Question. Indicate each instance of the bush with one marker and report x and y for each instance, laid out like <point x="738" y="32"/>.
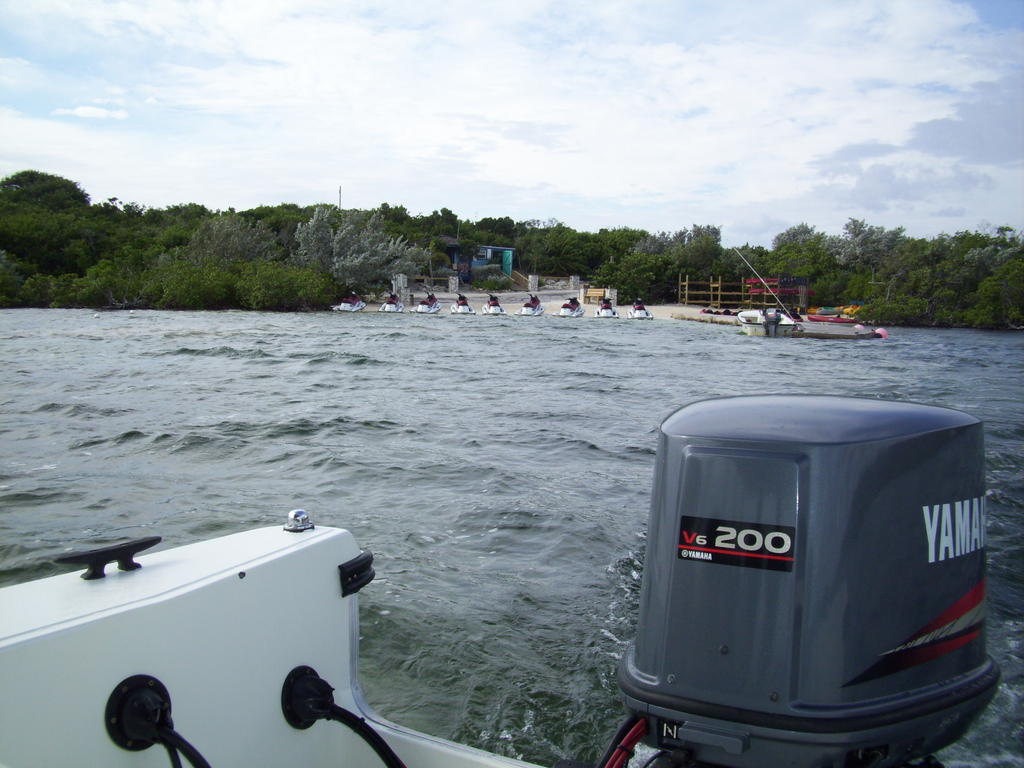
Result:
<point x="492" y="284"/>
<point x="902" y="310"/>
<point x="487" y="272"/>
<point x="10" y="281"/>
<point x="275" y="286"/>
<point x="1000" y="298"/>
<point x="37" y="291"/>
<point x="180" y="285"/>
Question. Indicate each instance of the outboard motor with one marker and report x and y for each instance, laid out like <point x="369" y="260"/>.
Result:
<point x="814" y="584"/>
<point x="772" y="318"/>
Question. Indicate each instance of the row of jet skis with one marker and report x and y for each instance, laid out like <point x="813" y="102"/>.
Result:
<point x="532" y="307"/>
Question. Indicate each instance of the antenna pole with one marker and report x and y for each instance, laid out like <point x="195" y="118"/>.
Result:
<point x="767" y="287"/>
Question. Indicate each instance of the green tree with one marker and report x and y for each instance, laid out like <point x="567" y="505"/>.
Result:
<point x="11" y="280"/>
<point x="366" y="257"/>
<point x="796" y="235"/>
<point x="650" y="276"/>
<point x="231" y="238"/>
<point x="501" y="229"/>
<point x="112" y="284"/>
<point x="43" y="190"/>
<point x="1000" y="298"/>
<point x="862" y="245"/>
<point x="315" y="241"/>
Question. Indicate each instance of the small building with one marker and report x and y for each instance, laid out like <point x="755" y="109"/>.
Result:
<point x="495" y="254"/>
<point x="486" y="255"/>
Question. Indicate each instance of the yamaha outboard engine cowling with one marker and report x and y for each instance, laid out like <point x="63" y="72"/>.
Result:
<point x="813" y="590"/>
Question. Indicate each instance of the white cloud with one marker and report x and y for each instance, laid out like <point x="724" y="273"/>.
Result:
<point x="652" y="114"/>
<point x="93" y="113"/>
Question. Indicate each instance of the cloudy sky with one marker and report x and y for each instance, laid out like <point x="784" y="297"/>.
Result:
<point x="750" y="114"/>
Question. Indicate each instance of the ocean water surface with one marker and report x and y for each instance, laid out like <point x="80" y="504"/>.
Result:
<point x="499" y="468"/>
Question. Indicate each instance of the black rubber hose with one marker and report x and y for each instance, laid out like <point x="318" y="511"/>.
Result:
<point x="171" y="738"/>
<point x="370" y="736"/>
<point x="172" y="753"/>
<point x="620" y="734"/>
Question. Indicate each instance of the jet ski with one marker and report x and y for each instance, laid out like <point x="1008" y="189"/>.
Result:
<point x="532" y="307"/>
<point x="493" y="306"/>
<point x="351" y="303"/>
<point x="429" y="305"/>
<point x="572" y="308"/>
<point x="393" y="304"/>
<point x="639" y="312"/>
<point x="606" y="309"/>
<point x="462" y="306"/>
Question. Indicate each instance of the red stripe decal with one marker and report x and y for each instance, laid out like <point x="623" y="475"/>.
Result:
<point x="965" y="604"/>
<point x="737" y="553"/>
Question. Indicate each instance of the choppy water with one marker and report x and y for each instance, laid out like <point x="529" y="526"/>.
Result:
<point x="498" y="467"/>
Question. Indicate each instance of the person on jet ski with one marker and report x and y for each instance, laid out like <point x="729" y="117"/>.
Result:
<point x="430" y="301"/>
<point x="534" y="302"/>
<point x="606" y="303"/>
<point x="392" y="299"/>
<point x="639" y="304"/>
<point x="462" y="301"/>
<point x="492" y="301"/>
<point x="573" y="303"/>
<point x="352" y="298"/>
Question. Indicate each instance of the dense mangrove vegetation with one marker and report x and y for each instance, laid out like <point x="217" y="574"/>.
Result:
<point x="60" y="249"/>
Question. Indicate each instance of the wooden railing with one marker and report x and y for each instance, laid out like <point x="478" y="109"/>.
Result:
<point x="719" y="294"/>
<point x="712" y="293"/>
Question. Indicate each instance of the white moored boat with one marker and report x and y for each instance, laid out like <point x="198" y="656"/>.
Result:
<point x="765" y="322"/>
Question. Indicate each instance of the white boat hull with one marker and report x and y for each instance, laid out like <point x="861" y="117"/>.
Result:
<point x="639" y="314"/>
<point x="428" y="309"/>
<point x="489" y="309"/>
<point x="220" y="624"/>
<point x="462" y="309"/>
<point x="570" y="312"/>
<point x="532" y="311"/>
<point x="399" y="307"/>
<point x="755" y="322"/>
<point x="605" y="313"/>
<point x="343" y="307"/>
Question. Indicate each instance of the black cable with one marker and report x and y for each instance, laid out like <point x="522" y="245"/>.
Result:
<point x="370" y="736"/>
<point x="171" y="738"/>
<point x="173" y="754"/>
<point x="652" y="758"/>
<point x="620" y="734"/>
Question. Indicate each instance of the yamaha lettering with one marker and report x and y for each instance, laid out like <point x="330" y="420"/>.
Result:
<point x="955" y="529"/>
<point x="729" y="542"/>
